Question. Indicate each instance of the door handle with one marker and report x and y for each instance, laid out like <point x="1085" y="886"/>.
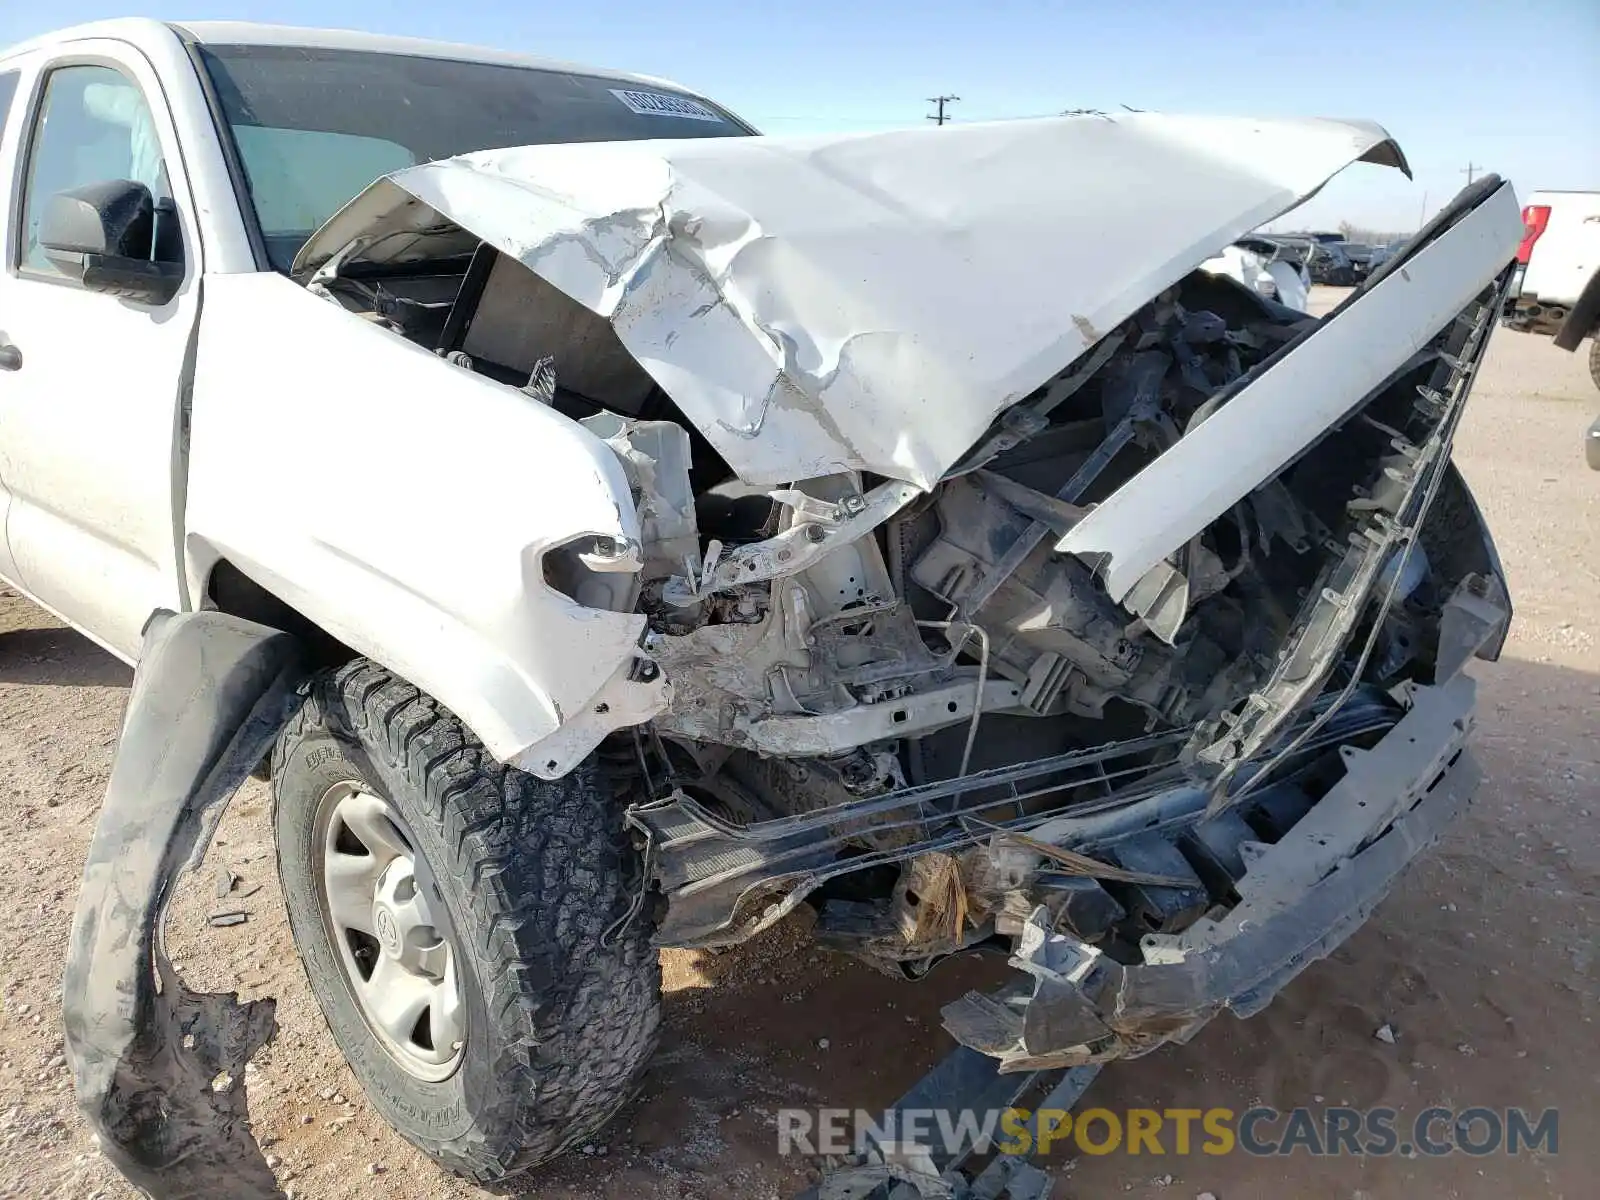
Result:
<point x="10" y="357"/>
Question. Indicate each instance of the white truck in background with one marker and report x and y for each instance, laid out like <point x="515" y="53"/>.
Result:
<point x="1556" y="291"/>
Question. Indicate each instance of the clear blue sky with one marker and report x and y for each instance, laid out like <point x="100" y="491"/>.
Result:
<point x="1512" y="85"/>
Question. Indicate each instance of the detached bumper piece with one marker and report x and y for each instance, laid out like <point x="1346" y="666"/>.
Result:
<point x="1298" y="900"/>
<point x="149" y="1062"/>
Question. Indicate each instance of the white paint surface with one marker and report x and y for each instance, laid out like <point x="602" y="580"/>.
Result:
<point x="404" y="505"/>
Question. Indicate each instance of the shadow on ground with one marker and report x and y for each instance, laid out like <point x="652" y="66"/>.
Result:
<point x="56" y="656"/>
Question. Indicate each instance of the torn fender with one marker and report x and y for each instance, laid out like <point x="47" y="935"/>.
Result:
<point x="209" y="696"/>
<point x="864" y="302"/>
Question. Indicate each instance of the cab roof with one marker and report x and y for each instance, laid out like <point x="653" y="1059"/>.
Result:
<point x="143" y="30"/>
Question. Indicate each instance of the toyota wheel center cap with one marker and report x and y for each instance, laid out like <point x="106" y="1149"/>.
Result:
<point x="388" y="930"/>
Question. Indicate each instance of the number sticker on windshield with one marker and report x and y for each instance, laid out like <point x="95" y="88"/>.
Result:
<point x="659" y="104"/>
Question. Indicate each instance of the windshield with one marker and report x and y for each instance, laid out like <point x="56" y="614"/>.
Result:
<point x="314" y="127"/>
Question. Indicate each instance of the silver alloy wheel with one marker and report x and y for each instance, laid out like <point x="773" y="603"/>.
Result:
<point x="380" y="910"/>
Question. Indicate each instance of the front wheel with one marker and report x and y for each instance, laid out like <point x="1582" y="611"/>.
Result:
<point x="453" y="917"/>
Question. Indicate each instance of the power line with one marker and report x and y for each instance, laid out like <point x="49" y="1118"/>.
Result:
<point x="941" y="101"/>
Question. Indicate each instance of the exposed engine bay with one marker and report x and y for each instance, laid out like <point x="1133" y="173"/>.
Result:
<point x="821" y="619"/>
<point x="846" y="636"/>
<point x="914" y="710"/>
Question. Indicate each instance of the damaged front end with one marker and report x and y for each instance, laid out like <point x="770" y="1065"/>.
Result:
<point x="1115" y="627"/>
<point x="1167" y="806"/>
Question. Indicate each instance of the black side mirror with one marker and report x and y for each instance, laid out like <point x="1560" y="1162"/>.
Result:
<point x="102" y="235"/>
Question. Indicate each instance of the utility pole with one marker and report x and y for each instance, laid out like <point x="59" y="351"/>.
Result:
<point x="1470" y="170"/>
<point x="941" y="101"/>
<point x="1422" y="217"/>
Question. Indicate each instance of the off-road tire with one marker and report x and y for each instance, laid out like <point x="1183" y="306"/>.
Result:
<point x="531" y="875"/>
<point x="1594" y="358"/>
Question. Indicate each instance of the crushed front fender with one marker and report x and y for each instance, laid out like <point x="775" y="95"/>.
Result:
<point x="159" y="1069"/>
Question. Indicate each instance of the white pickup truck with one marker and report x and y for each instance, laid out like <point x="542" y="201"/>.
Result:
<point x="614" y="530"/>
<point x="1556" y="291"/>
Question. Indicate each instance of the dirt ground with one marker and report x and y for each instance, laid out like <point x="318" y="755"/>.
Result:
<point x="1482" y="961"/>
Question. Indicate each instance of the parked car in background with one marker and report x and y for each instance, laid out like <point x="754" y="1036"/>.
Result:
<point x="1556" y="290"/>
<point x="1361" y="256"/>
<point x="1382" y="254"/>
<point x="1330" y="265"/>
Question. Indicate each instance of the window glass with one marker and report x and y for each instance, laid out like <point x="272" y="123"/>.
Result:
<point x="299" y="177"/>
<point x="315" y="126"/>
<point x="93" y="125"/>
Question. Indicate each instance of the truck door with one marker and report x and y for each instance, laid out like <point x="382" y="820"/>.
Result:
<point x="9" y="78"/>
<point x="91" y="419"/>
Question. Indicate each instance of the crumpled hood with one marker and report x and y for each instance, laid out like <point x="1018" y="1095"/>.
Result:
<point x="872" y="302"/>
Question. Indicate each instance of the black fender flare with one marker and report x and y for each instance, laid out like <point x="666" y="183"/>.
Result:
<point x="209" y="696"/>
<point x="1583" y="318"/>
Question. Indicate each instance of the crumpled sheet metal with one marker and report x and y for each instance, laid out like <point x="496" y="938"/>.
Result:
<point x="865" y="302"/>
<point x="209" y="696"/>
